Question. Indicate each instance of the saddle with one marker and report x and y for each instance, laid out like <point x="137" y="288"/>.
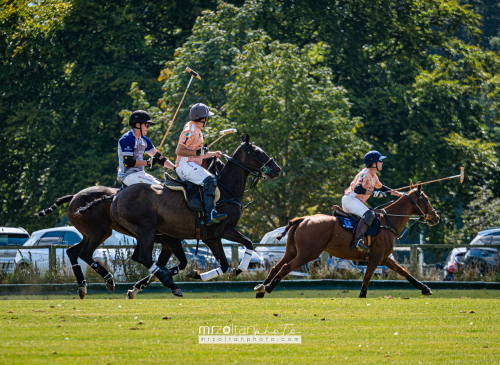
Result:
<point x="192" y="192"/>
<point x="350" y="221"/>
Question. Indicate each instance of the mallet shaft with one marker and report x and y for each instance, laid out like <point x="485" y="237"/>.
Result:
<point x="223" y="133"/>
<point x="461" y="176"/>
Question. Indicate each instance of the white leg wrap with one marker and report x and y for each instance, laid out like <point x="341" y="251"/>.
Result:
<point x="246" y="260"/>
<point x="211" y="274"/>
<point x="154" y="268"/>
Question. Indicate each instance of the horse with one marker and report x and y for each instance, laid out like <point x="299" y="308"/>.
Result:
<point x="96" y="226"/>
<point x="165" y="211"/>
<point x="309" y="236"/>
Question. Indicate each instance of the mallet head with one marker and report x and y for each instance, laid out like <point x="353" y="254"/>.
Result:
<point x="195" y="74"/>
<point x="228" y="131"/>
<point x="462" y="174"/>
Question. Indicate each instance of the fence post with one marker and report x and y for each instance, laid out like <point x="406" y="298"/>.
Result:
<point x="52" y="258"/>
<point x="234" y="256"/>
<point x="413" y="259"/>
<point x="498" y="260"/>
<point x="324" y="260"/>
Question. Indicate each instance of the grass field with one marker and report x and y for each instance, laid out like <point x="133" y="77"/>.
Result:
<point x="449" y="327"/>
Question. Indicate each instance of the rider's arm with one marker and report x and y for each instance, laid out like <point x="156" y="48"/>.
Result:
<point x="183" y="151"/>
<point x="165" y="162"/>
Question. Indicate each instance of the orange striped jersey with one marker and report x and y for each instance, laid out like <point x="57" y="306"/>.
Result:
<point x="192" y="138"/>
<point x="368" y="180"/>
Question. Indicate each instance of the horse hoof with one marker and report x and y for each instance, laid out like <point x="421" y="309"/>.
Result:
<point x="259" y="295"/>
<point x="234" y="273"/>
<point x="132" y="293"/>
<point x="111" y="287"/>
<point x="260" y="288"/>
<point x="177" y="293"/>
<point x="82" y="290"/>
<point x="194" y="274"/>
<point x="428" y="291"/>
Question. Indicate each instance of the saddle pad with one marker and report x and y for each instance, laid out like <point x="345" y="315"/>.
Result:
<point x="181" y="188"/>
<point x="349" y="224"/>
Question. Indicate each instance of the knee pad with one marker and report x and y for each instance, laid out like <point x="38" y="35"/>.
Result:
<point x="369" y="217"/>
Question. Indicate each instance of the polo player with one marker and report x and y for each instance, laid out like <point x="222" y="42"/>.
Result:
<point x="190" y="155"/>
<point x="131" y="148"/>
<point x="364" y="185"/>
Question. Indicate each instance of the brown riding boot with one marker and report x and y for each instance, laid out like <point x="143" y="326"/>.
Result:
<point x="357" y="243"/>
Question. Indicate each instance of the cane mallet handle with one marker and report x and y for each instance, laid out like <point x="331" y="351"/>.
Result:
<point x="461" y="176"/>
<point x="222" y="134"/>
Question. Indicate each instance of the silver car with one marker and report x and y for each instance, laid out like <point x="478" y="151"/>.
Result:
<point x="488" y="237"/>
<point x="10" y="236"/>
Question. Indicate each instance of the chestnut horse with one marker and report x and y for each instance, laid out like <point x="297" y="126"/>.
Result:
<point x="310" y="236"/>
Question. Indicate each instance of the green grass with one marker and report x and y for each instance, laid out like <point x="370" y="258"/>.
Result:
<point x="334" y="325"/>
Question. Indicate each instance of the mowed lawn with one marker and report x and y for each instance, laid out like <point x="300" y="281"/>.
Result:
<point x="336" y="327"/>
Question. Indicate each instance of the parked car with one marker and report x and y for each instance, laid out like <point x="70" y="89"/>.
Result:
<point x="52" y="236"/>
<point x="453" y="262"/>
<point x="488" y="237"/>
<point x="10" y="236"/>
<point x="485" y="259"/>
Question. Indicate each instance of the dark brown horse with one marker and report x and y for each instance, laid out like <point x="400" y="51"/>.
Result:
<point x="156" y="209"/>
<point x="96" y="226"/>
<point x="309" y="236"/>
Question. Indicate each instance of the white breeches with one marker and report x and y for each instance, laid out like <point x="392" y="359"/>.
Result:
<point x="354" y="206"/>
<point x="191" y="171"/>
<point x="140" y="177"/>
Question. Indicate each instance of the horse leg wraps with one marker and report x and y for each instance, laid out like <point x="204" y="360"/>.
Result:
<point x="102" y="271"/>
<point x="274" y="283"/>
<point x="362" y="293"/>
<point x="211" y="274"/>
<point x="418" y="285"/>
<point x="163" y="274"/>
<point x="80" y="279"/>
<point x="246" y="260"/>
<point x="141" y="284"/>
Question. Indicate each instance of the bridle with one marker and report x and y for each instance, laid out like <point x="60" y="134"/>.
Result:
<point x="423" y="218"/>
<point x="259" y="173"/>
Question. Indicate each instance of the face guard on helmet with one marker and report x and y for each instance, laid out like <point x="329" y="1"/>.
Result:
<point x="198" y="112"/>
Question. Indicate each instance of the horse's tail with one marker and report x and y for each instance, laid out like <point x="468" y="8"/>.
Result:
<point x="103" y="199"/>
<point x="60" y="201"/>
<point x="291" y="225"/>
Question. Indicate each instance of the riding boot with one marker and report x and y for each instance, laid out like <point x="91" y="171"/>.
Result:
<point x="357" y="243"/>
<point x="209" y="187"/>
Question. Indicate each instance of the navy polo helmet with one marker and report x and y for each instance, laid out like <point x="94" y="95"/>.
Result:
<point x="372" y="157"/>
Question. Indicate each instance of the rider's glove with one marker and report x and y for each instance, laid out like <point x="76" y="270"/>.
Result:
<point x="159" y="159"/>
<point x="379" y="194"/>
<point x="202" y="151"/>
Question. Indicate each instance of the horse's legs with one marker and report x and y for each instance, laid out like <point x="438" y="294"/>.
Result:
<point x="373" y="262"/>
<point x="290" y="254"/>
<point x="393" y="265"/>
<point x="86" y="255"/>
<point x="72" y="254"/>
<point x="145" y="245"/>
<point x="219" y="254"/>
<point x="296" y="263"/>
<point x="230" y="233"/>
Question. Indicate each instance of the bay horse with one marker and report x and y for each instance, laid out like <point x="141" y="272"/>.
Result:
<point x="158" y="209"/>
<point x="309" y="236"/>
<point x="96" y="226"/>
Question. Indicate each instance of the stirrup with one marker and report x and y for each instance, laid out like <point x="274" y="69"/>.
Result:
<point x="214" y="217"/>
<point x="359" y="246"/>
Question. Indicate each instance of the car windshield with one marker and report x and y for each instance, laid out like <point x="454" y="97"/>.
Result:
<point x="271" y="237"/>
<point x="33" y="239"/>
<point x="13" y="239"/>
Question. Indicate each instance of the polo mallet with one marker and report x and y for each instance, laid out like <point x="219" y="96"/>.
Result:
<point x="222" y="134"/>
<point x="193" y="74"/>
<point x="461" y="176"/>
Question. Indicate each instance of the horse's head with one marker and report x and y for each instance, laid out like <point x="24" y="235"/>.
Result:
<point x="423" y="207"/>
<point x="254" y="157"/>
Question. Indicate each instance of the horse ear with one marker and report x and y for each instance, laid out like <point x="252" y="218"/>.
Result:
<point x="419" y="187"/>
<point x="242" y="138"/>
<point x="247" y="139"/>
